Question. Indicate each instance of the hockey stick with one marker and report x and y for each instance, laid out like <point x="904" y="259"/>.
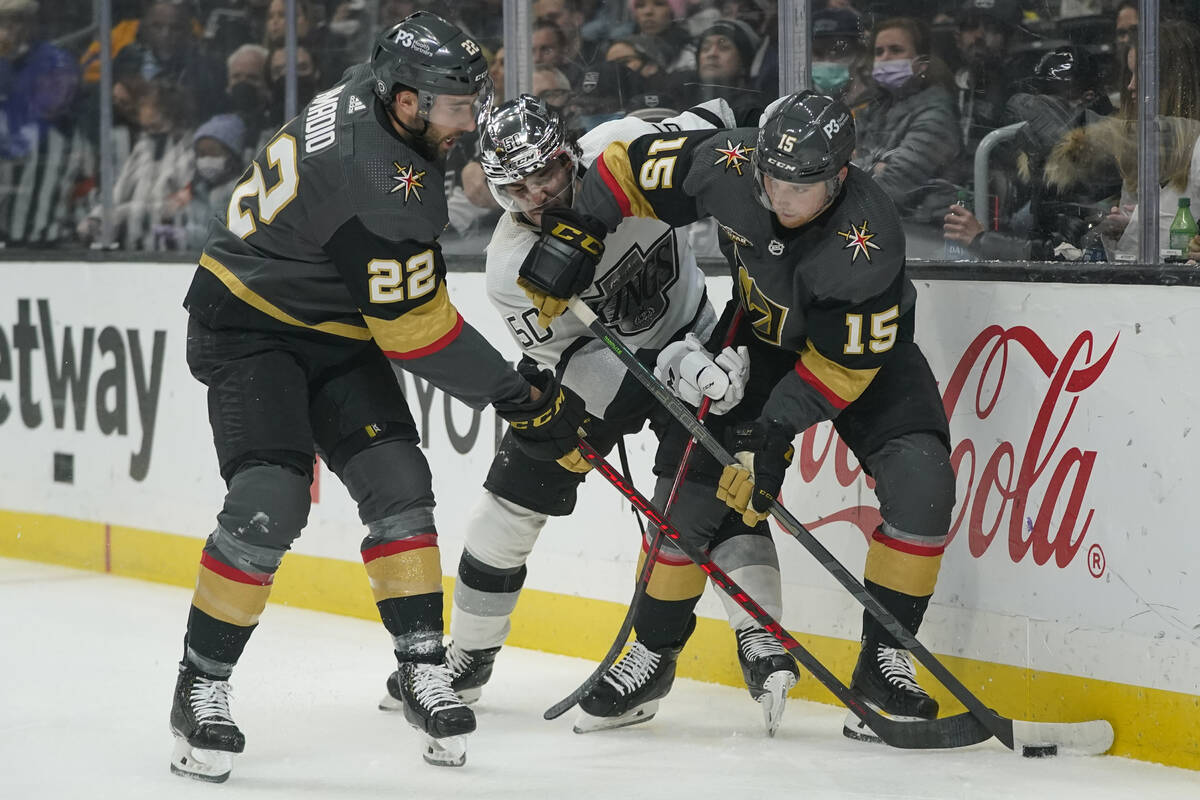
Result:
<point x="1033" y="738"/>
<point x="652" y="549"/>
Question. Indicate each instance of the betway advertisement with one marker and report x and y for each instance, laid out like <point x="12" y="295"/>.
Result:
<point x="1071" y="411"/>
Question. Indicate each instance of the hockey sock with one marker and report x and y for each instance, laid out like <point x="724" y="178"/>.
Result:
<point x="225" y="609"/>
<point x="675" y="587"/>
<point x="406" y="579"/>
<point x="753" y="564"/>
<point x="901" y="573"/>
<point x="484" y="599"/>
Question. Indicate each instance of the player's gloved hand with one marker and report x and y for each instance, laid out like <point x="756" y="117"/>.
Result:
<point x="562" y="262"/>
<point x="764" y="451"/>
<point x="691" y="373"/>
<point x="547" y="428"/>
<point x="575" y="462"/>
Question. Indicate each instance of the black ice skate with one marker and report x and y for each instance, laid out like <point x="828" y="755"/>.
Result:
<point x="770" y="672"/>
<point x="629" y="691"/>
<point x="431" y="706"/>
<point x="205" y="734"/>
<point x="469" y="671"/>
<point x="886" y="680"/>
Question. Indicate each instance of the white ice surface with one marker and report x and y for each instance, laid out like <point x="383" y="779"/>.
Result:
<point x="87" y="665"/>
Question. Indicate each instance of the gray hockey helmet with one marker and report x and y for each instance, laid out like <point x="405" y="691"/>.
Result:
<point x="426" y="53"/>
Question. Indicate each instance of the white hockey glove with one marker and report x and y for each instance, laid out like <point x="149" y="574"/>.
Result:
<point x="691" y="373"/>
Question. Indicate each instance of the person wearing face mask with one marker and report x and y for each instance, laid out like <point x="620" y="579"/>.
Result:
<point x="908" y="135"/>
<point x="841" y="67"/>
<point x="307" y="81"/>
<point x="247" y="92"/>
<point x="219" y="146"/>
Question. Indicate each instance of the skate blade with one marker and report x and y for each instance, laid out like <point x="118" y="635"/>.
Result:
<point x="774" y="698"/>
<point x="212" y="766"/>
<point x="854" y="728"/>
<point x="587" y="723"/>
<point x="448" y="752"/>
<point x="389" y="703"/>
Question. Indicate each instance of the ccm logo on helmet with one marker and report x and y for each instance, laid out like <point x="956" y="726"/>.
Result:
<point x="578" y="238"/>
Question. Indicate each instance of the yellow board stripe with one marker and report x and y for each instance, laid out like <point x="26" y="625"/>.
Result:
<point x="672" y="582"/>
<point x="417" y="328"/>
<point x="247" y="295"/>
<point x="406" y="574"/>
<point x="910" y="573"/>
<point x="1151" y="724"/>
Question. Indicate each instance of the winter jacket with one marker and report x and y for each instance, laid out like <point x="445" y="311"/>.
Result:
<point x="913" y="133"/>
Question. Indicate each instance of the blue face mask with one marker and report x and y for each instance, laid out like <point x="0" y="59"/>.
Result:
<point x="892" y="74"/>
<point x="829" y="76"/>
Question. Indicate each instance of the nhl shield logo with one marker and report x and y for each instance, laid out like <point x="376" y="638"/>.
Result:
<point x="775" y="247"/>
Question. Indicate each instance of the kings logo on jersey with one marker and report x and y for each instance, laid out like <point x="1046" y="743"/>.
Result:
<point x="632" y="295"/>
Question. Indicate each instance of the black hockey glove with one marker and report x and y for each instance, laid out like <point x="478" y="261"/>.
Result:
<point x="562" y="262"/>
<point x="764" y="452"/>
<point x="547" y="428"/>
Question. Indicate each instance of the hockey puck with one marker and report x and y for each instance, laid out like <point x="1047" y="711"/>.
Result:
<point x="1039" y="751"/>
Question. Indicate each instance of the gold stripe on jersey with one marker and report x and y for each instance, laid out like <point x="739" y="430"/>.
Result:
<point x="843" y="382"/>
<point x="615" y="162"/>
<point x="247" y="295"/>
<point x="229" y="600"/>
<point x="670" y="582"/>
<point x="417" y="328"/>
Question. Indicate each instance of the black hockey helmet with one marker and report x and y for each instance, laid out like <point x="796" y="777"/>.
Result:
<point x="520" y="138"/>
<point x="804" y="138"/>
<point x="426" y="53"/>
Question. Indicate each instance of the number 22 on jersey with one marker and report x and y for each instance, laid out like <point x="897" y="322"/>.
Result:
<point x="281" y="156"/>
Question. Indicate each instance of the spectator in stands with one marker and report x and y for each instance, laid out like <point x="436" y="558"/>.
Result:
<point x="166" y="48"/>
<point x="308" y="80"/>
<point x="47" y="161"/>
<point x="647" y="56"/>
<point x="247" y="91"/>
<point x="160" y="164"/>
<point x="986" y="31"/>
<point x="1124" y="37"/>
<point x="658" y="19"/>
<point x="841" y="65"/>
<point x="276" y="23"/>
<point x="229" y="24"/>
<point x="568" y="16"/>
<point x="219" y="148"/>
<point x="907" y="136"/>
<point x="1116" y="137"/>
<point x="550" y="50"/>
<point x="552" y="86"/>
<point x="761" y="16"/>
<point x="1053" y="209"/>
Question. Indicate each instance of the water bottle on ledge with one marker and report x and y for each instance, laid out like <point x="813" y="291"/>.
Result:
<point x="1183" y="228"/>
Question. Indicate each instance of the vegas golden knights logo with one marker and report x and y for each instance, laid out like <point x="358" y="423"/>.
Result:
<point x="764" y="314"/>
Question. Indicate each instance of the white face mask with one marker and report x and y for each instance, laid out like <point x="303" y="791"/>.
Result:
<point x="211" y="167"/>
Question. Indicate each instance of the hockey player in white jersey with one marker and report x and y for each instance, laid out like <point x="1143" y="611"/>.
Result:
<point x="649" y="288"/>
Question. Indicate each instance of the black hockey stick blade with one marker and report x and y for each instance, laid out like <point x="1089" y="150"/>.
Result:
<point x="999" y="726"/>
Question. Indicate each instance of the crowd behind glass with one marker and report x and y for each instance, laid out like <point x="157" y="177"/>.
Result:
<point x="198" y="86"/>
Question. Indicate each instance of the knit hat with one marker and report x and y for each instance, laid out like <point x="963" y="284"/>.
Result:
<point x="742" y="35"/>
<point x="228" y="129"/>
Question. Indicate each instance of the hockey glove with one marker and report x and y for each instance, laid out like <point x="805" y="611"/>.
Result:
<point x="562" y="262"/>
<point x="691" y="373"/>
<point x="548" y="428"/>
<point x="764" y="451"/>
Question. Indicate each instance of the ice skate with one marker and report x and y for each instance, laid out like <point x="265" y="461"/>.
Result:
<point x="770" y="672"/>
<point x="206" y="737"/>
<point x="629" y="691"/>
<point x="469" y="671"/>
<point x="431" y="706"/>
<point x="886" y="680"/>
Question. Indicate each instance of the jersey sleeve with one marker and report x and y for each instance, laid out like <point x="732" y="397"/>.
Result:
<point x="848" y="341"/>
<point x="400" y="288"/>
<point x="644" y="177"/>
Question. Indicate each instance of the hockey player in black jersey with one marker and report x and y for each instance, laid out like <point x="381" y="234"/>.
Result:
<point x="817" y="257"/>
<point x="324" y="273"/>
<point x="648" y="286"/>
